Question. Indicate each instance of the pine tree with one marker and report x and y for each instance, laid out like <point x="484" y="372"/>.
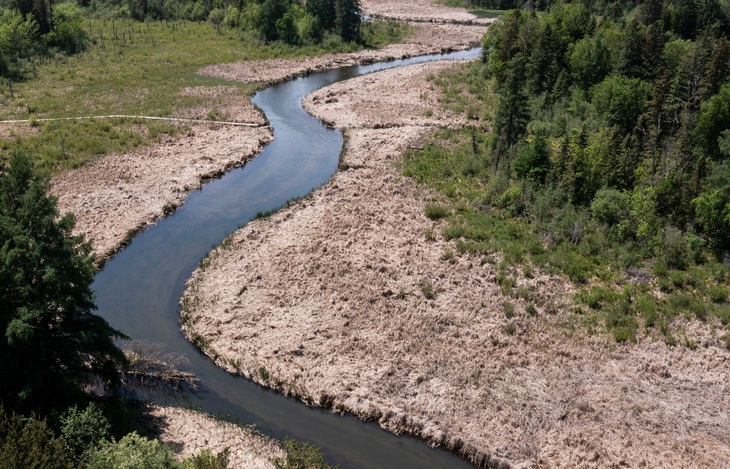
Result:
<point x="348" y="19"/>
<point x="325" y="11"/>
<point x="51" y="343"/>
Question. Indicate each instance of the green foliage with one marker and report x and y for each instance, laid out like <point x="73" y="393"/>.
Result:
<point x="30" y="443"/>
<point x="132" y="452"/>
<point x="427" y="290"/>
<point x="347" y="23"/>
<point x="18" y="45"/>
<point x="620" y="100"/>
<point x="52" y="343"/>
<point x="67" y="34"/>
<point x="533" y="159"/>
<point x="83" y="430"/>
<point x="607" y="154"/>
<point x="300" y="455"/>
<point x="207" y="460"/>
<point x="436" y="211"/>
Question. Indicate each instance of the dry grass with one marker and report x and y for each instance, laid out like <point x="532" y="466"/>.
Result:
<point x="188" y="432"/>
<point x="121" y="194"/>
<point x="328" y="298"/>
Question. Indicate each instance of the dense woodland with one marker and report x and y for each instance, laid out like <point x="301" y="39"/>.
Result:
<point x="598" y="149"/>
<point x="622" y="111"/>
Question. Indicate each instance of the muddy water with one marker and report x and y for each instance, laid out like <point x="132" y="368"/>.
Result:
<point x="139" y="289"/>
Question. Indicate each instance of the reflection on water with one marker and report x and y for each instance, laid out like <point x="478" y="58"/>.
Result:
<point x="139" y="289"/>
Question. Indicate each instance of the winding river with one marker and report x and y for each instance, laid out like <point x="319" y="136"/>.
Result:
<point x="139" y="289"/>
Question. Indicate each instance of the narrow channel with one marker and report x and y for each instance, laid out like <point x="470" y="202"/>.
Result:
<point x="139" y="289"/>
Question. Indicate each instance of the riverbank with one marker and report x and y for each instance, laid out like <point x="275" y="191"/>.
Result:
<point x="381" y="318"/>
<point x="117" y="196"/>
<point x="187" y="432"/>
<point x="426" y="39"/>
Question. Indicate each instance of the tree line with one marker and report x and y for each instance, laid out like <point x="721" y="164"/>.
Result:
<point x="622" y="112"/>
<point x="33" y="29"/>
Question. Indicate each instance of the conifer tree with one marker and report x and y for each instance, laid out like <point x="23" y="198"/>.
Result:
<point x="51" y="344"/>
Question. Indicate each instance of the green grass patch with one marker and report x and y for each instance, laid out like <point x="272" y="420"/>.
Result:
<point x="135" y="68"/>
<point x="474" y="10"/>
<point x="70" y="144"/>
<point x="436" y="211"/>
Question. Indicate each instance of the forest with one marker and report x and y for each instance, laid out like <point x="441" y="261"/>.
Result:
<point x="598" y="149"/>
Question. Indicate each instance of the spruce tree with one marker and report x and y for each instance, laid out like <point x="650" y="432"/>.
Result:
<point x="51" y="343"/>
<point x="348" y="19"/>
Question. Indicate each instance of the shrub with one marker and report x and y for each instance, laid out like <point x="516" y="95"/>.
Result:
<point x="29" y="442"/>
<point x="301" y="455"/>
<point x="67" y="35"/>
<point x="207" y="460"/>
<point x="512" y="200"/>
<point x="436" y="211"/>
<point x="718" y="293"/>
<point x="132" y="452"/>
<point x="611" y="207"/>
<point x="83" y="430"/>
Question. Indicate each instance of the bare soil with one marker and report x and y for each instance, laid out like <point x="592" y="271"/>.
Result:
<point x="188" y="431"/>
<point x="350" y="299"/>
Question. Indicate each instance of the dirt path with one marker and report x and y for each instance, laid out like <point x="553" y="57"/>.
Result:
<point x="350" y="299"/>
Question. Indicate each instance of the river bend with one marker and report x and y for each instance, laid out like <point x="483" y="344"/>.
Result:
<point x="139" y="289"/>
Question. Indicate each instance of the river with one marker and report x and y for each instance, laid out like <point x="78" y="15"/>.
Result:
<point x="138" y="291"/>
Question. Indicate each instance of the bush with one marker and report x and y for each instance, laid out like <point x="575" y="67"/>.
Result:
<point x="132" y="452"/>
<point x="301" y="455"/>
<point x="29" y="442"/>
<point x="611" y="207"/>
<point x="674" y="249"/>
<point x="512" y="200"/>
<point x="207" y="460"/>
<point x="83" y="430"/>
<point x="67" y="34"/>
<point x="436" y="211"/>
